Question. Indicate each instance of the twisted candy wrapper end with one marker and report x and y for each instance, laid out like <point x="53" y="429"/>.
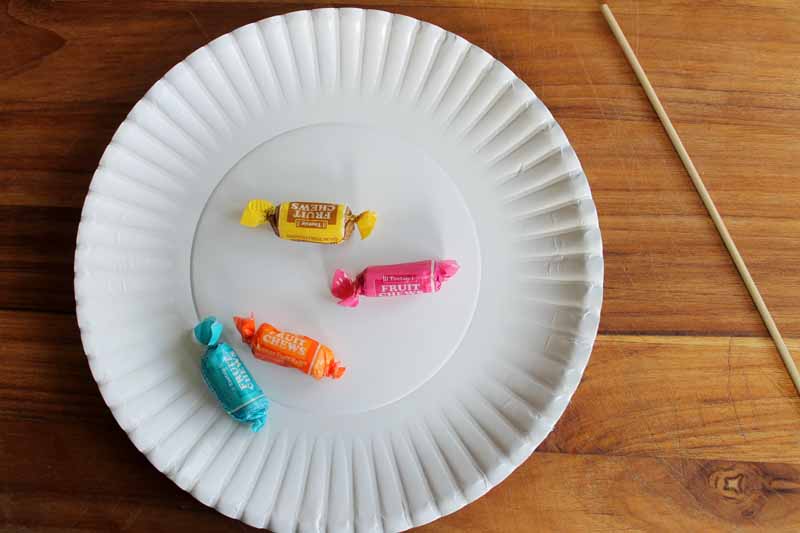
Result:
<point x="335" y="369"/>
<point x="208" y="331"/>
<point x="365" y="222"/>
<point x="256" y="213"/>
<point x="246" y="326"/>
<point x="445" y="270"/>
<point x="345" y="289"/>
<point x="228" y="378"/>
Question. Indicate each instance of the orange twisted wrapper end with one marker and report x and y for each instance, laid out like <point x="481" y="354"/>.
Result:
<point x="270" y="344"/>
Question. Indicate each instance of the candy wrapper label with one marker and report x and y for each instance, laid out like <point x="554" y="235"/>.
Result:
<point x="301" y="221"/>
<point x="270" y="344"/>
<point x="318" y="222"/>
<point x="392" y="280"/>
<point x="228" y="377"/>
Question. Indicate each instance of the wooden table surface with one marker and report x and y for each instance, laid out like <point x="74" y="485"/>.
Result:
<point x="685" y="419"/>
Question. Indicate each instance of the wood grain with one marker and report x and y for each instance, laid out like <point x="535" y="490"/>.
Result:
<point x="683" y="397"/>
<point x="655" y="419"/>
<point x="557" y="492"/>
<point x="685" y="419"/>
<point x="658" y="239"/>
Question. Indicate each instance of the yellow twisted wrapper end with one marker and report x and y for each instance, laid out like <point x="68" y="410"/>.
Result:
<point x="366" y="222"/>
<point x="256" y="213"/>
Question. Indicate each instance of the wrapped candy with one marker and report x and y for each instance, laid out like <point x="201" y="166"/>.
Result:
<point x="392" y="280"/>
<point x="289" y="349"/>
<point x="228" y="378"/>
<point x="308" y="221"/>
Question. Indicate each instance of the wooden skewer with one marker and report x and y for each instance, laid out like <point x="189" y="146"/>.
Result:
<point x="704" y="196"/>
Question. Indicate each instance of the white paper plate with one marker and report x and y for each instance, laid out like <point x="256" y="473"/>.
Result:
<point x="445" y="394"/>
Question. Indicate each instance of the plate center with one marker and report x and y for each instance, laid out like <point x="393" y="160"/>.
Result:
<point x="390" y="346"/>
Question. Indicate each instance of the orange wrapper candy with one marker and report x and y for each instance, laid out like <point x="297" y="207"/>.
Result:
<point x="270" y="344"/>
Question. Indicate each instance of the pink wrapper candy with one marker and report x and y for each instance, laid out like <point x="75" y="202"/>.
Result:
<point x="393" y="280"/>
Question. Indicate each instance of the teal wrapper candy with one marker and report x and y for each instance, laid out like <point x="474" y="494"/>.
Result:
<point x="228" y="378"/>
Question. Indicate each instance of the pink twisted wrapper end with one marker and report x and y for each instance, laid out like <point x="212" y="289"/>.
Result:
<point x="445" y="270"/>
<point x="345" y="289"/>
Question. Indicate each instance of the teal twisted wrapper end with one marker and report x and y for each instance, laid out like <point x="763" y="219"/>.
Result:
<point x="228" y="377"/>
